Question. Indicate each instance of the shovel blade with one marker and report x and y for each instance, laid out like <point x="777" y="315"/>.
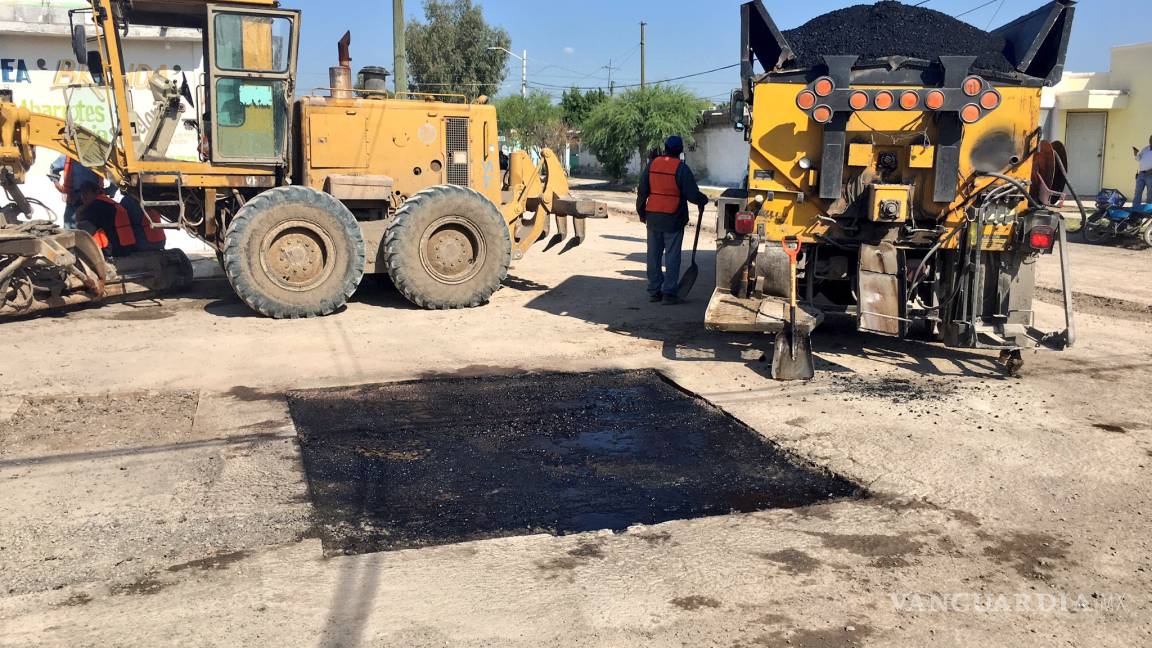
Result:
<point x="792" y="357"/>
<point x="687" y="281"/>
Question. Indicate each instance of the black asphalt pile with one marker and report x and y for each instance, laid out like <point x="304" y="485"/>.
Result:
<point x="891" y="28"/>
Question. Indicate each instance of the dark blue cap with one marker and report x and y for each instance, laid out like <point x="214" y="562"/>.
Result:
<point x="675" y="144"/>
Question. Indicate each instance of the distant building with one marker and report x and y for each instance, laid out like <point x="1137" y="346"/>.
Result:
<point x="1100" y="116"/>
<point x="38" y="66"/>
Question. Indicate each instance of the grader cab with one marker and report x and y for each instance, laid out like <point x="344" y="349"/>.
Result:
<point x="300" y="196"/>
<point x="900" y="184"/>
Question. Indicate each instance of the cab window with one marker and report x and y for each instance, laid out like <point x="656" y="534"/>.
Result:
<point x="251" y="115"/>
<point x="252" y="43"/>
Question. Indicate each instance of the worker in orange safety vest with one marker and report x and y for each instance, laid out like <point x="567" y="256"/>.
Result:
<point x="666" y="188"/>
<point x="106" y="220"/>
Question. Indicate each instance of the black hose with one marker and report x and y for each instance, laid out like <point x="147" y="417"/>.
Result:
<point x="1072" y="190"/>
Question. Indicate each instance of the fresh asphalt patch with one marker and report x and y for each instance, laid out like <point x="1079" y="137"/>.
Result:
<point x="432" y="462"/>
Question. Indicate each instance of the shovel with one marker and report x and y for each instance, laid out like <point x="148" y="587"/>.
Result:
<point x="693" y="271"/>
<point x="792" y="359"/>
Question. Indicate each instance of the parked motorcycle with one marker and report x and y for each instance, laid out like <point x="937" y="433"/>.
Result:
<point x="1113" y="220"/>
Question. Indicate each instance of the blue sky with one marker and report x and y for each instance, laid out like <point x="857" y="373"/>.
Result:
<point x="571" y="42"/>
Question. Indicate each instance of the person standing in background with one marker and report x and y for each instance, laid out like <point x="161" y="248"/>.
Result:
<point x="69" y="176"/>
<point x="1143" y="174"/>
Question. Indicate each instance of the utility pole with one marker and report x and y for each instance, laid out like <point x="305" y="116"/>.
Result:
<point x="400" y="47"/>
<point x="643" y="55"/>
<point x="611" y="84"/>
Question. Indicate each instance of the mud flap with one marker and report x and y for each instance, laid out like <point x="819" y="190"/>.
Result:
<point x="883" y="307"/>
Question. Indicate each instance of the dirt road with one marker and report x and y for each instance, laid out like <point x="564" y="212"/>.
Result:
<point x="154" y="493"/>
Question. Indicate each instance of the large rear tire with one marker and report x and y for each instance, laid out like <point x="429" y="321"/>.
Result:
<point x="294" y="252"/>
<point x="449" y="247"/>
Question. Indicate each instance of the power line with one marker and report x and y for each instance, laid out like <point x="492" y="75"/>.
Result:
<point x="637" y="85"/>
<point x="975" y="9"/>
<point x="993" y="18"/>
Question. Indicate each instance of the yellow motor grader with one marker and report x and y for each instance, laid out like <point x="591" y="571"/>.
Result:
<point x="300" y="197"/>
<point x="912" y="194"/>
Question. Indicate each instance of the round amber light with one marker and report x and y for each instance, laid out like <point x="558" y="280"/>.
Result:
<point x="806" y="100"/>
<point x="884" y="100"/>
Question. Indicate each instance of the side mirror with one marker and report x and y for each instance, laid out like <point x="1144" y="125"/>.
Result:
<point x="738" y="108"/>
<point x="80" y="43"/>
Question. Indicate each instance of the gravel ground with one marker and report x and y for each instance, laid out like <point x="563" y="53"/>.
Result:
<point x="169" y="505"/>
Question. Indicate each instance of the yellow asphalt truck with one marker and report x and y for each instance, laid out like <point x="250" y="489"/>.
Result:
<point x="897" y="154"/>
<point x="301" y="197"/>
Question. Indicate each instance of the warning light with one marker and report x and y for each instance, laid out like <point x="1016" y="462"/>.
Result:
<point x="990" y="100"/>
<point x="973" y="85"/>
<point x="934" y="100"/>
<point x="806" y="100"/>
<point x="822" y="114"/>
<point x="745" y="223"/>
<point x="1042" y="238"/>
<point x="970" y="114"/>
<point x="824" y="86"/>
<point x="858" y="100"/>
<point x="884" y="100"/>
<point x="909" y="100"/>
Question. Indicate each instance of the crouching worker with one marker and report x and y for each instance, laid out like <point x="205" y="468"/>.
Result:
<point x="666" y="188"/>
<point x="119" y="229"/>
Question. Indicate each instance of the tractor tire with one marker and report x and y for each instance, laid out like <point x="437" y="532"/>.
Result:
<point x="294" y="252"/>
<point x="449" y="247"/>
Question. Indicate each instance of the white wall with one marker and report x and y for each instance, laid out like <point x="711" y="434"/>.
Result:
<point x="37" y="64"/>
<point x="720" y="156"/>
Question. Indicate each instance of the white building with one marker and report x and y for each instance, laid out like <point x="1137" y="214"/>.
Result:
<point x="38" y="66"/>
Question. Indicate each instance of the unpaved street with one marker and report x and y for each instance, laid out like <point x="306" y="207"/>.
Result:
<point x="153" y="490"/>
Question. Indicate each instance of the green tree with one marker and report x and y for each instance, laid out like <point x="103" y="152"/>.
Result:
<point x="532" y="121"/>
<point x="638" y="121"/>
<point x="449" y="54"/>
<point x="578" y="105"/>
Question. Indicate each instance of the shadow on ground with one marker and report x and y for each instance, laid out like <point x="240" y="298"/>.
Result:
<point x="620" y="305"/>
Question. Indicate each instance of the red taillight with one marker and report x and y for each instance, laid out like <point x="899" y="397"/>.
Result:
<point x="745" y="223"/>
<point x="1042" y="238"/>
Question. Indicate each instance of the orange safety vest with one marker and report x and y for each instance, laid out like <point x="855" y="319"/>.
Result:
<point x="124" y="231"/>
<point x="663" y="192"/>
<point x="154" y="234"/>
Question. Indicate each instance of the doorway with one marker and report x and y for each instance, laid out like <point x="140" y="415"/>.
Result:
<point x="1085" y="139"/>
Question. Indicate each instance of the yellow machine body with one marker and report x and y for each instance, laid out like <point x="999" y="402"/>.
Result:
<point x="783" y="135"/>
